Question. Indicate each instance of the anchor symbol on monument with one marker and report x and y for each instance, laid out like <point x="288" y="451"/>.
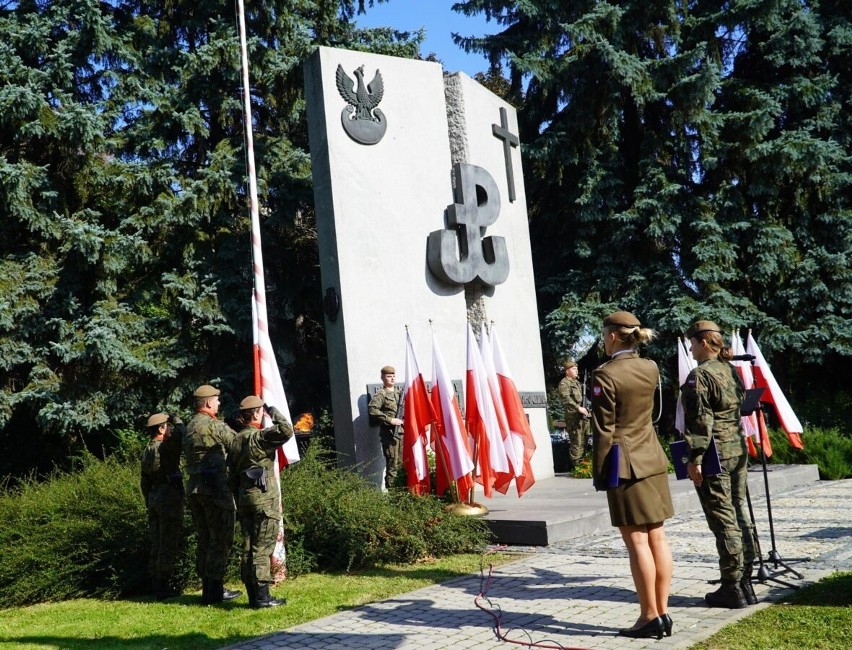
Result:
<point x="362" y="121"/>
<point x="460" y="253"/>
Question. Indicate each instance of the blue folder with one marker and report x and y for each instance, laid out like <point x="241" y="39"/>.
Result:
<point x="609" y="476"/>
<point x="710" y="464"/>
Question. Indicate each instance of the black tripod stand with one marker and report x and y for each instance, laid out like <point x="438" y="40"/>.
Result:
<point x="779" y="567"/>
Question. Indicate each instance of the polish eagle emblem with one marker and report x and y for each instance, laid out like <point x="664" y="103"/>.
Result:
<point x="362" y="120"/>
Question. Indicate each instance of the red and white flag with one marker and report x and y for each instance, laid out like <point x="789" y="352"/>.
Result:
<point x="763" y="377"/>
<point x="515" y="415"/>
<point x="512" y="445"/>
<point x="482" y="422"/>
<point x="685" y="364"/>
<point x="418" y="417"/>
<point x="453" y="456"/>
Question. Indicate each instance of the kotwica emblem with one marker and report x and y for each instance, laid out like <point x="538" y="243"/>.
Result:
<point x="362" y="121"/>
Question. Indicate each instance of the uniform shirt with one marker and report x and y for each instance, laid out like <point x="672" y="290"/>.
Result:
<point x="712" y="396"/>
<point x="383" y="408"/>
<point x="254" y="447"/>
<point x="160" y="469"/>
<point x="571" y="392"/>
<point x="205" y="448"/>
<point x="622" y="405"/>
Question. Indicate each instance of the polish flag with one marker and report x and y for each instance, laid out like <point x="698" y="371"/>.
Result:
<point x="763" y="377"/>
<point x="515" y="415"/>
<point x="512" y="445"/>
<point x="685" y="364"/>
<point x="453" y="457"/>
<point x="751" y="426"/>
<point x="482" y="422"/>
<point x="418" y="416"/>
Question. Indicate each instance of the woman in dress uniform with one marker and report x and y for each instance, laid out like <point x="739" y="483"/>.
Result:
<point x="622" y="405"/>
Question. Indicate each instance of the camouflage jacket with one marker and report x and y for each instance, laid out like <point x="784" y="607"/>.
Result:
<point x="571" y="392"/>
<point x="160" y="470"/>
<point x="254" y="449"/>
<point x="383" y="408"/>
<point x="712" y="396"/>
<point x="205" y="449"/>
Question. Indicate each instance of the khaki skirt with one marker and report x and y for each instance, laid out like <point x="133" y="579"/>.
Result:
<point x="640" y="501"/>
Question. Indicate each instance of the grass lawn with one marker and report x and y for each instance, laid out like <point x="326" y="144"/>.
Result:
<point x="182" y="623"/>
<point x="817" y="617"/>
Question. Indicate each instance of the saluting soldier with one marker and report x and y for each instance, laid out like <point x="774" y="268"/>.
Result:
<point x="712" y="396"/>
<point x="383" y="410"/>
<point x="259" y="500"/>
<point x="575" y="413"/>
<point x="162" y="487"/>
<point x="211" y="502"/>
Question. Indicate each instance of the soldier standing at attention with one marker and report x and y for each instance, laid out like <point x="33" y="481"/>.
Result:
<point x="383" y="410"/>
<point x="576" y="424"/>
<point x="712" y="396"/>
<point x="162" y="487"/>
<point x="259" y="500"/>
<point x="211" y="502"/>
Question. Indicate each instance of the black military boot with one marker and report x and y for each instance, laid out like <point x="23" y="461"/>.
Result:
<point x="227" y="594"/>
<point x="748" y="590"/>
<point x="729" y="595"/>
<point x="264" y="599"/>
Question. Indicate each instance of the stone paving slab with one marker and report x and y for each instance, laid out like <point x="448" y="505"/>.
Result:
<point x="577" y="593"/>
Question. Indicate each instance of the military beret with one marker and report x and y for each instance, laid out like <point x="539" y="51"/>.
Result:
<point x="157" y="419"/>
<point x="621" y="319"/>
<point x="251" y="402"/>
<point x="388" y="370"/>
<point x="702" y="326"/>
<point x="569" y="363"/>
<point x="206" y="390"/>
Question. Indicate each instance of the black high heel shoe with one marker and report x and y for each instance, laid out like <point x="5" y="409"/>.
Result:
<point x="667" y="624"/>
<point x="653" y="628"/>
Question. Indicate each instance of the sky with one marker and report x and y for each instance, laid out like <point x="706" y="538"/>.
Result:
<point x="439" y="20"/>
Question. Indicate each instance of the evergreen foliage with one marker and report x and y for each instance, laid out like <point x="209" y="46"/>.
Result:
<point x="125" y="266"/>
<point x="692" y="160"/>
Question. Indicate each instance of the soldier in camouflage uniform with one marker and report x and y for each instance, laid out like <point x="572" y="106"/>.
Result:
<point x="383" y="410"/>
<point x="211" y="502"/>
<point x="576" y="414"/>
<point x="162" y="487"/>
<point x="259" y="498"/>
<point x="712" y="396"/>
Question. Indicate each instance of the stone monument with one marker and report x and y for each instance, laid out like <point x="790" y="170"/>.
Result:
<point x="422" y="222"/>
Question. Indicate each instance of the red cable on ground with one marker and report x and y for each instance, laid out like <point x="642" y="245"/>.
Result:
<point x="497" y="616"/>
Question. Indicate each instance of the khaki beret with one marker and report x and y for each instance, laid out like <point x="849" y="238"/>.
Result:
<point x="251" y="402"/>
<point x="388" y="370"/>
<point x="702" y="326"/>
<point x="621" y="319"/>
<point x="569" y="363"/>
<point x="157" y="419"/>
<point x="206" y="390"/>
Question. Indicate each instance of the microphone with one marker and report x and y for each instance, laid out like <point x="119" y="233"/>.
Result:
<point x="743" y="357"/>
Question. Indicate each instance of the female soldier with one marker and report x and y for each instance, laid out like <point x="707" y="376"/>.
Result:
<point x="622" y="405"/>
<point x="712" y="396"/>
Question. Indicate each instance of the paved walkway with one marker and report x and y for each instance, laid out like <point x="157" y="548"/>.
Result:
<point x="577" y="593"/>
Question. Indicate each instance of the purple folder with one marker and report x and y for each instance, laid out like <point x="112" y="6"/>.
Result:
<point x="710" y="464"/>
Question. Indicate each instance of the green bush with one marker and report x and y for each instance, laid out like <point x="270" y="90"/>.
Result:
<point x="829" y="449"/>
<point x="85" y="533"/>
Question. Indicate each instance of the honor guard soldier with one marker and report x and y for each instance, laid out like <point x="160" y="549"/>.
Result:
<point x="575" y="413"/>
<point x="384" y="411"/>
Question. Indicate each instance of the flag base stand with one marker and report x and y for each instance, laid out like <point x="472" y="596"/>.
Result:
<point x="467" y="509"/>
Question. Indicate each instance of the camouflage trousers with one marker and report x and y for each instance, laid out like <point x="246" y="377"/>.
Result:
<point x="165" y="527"/>
<point x="723" y="498"/>
<point x="260" y="532"/>
<point x="391" y="449"/>
<point x="578" y="430"/>
<point x="214" y="520"/>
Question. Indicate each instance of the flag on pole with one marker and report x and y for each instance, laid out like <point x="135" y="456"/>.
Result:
<point x="515" y="415"/>
<point x="512" y="445"/>
<point x="773" y="395"/>
<point x="482" y="422"/>
<point x="685" y="364"/>
<point x="453" y="457"/>
<point x="751" y="425"/>
<point x="418" y="417"/>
